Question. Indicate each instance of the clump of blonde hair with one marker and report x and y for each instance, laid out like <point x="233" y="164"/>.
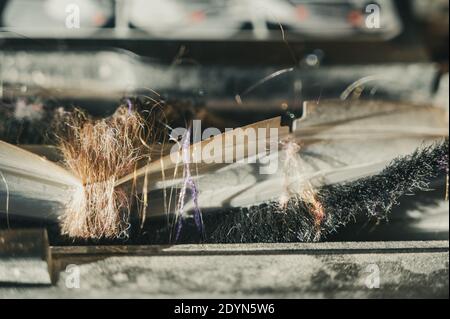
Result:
<point x="99" y="152"/>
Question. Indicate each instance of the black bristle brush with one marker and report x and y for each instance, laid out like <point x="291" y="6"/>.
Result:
<point x="371" y="197"/>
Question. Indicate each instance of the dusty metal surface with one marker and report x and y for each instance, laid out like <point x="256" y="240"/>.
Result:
<point x="323" y="270"/>
<point x="24" y="258"/>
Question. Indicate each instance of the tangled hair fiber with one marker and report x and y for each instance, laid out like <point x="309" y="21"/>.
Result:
<point x="99" y="152"/>
<point x="373" y="197"/>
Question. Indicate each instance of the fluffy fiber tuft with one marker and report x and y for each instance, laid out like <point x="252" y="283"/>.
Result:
<point x="99" y="152"/>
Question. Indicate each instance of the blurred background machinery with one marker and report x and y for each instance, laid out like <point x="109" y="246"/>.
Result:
<point x="239" y="61"/>
<point x="236" y="61"/>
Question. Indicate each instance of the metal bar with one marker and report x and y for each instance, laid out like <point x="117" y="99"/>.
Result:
<point x="254" y="249"/>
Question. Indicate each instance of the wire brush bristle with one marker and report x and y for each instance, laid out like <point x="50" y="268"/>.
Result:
<point x="373" y="196"/>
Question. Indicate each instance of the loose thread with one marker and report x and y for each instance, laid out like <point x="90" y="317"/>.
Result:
<point x="7" y="199"/>
<point x="188" y="184"/>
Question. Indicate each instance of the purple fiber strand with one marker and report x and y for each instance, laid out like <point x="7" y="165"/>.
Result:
<point x="179" y="226"/>
<point x="197" y="211"/>
<point x="180" y="211"/>
<point x="181" y="200"/>
<point x="130" y="105"/>
<point x="188" y="184"/>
